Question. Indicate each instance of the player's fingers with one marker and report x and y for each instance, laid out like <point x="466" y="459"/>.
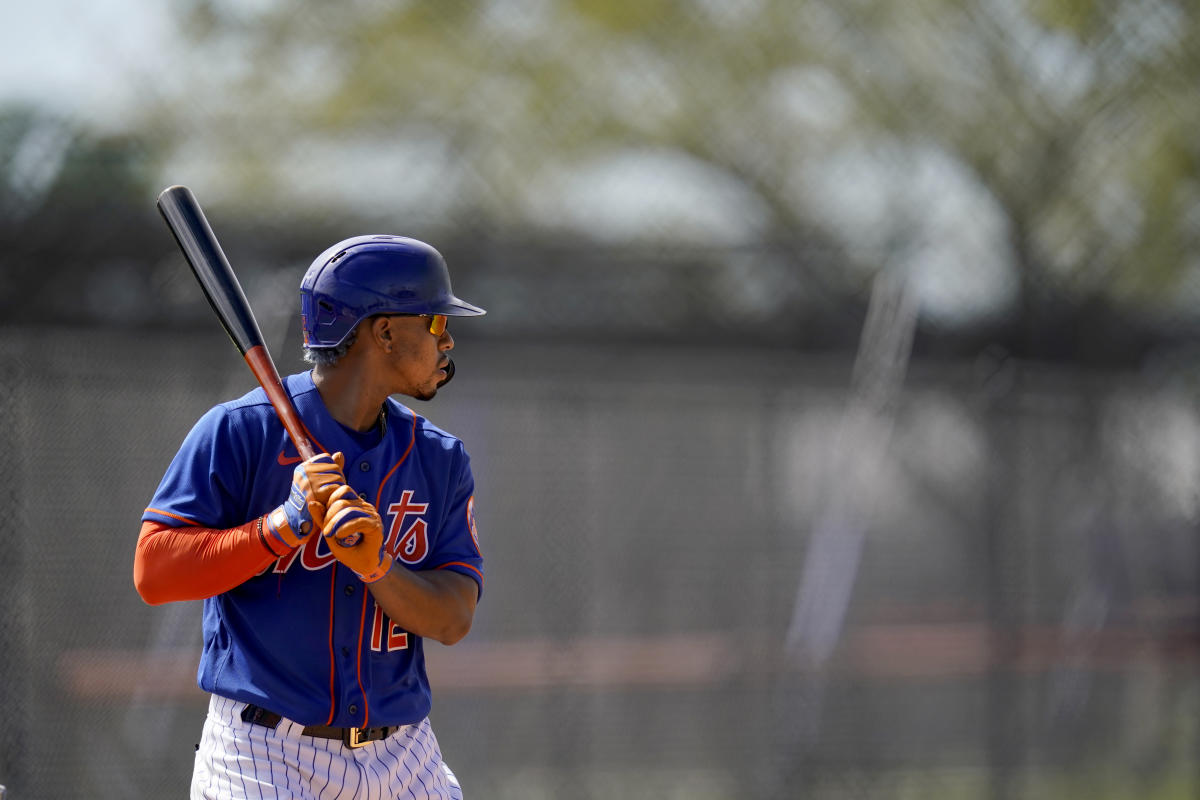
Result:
<point x="324" y="462"/>
<point x="315" y="480"/>
<point x="347" y="514"/>
<point x="323" y="483"/>
<point x="318" y="470"/>
<point x="322" y="467"/>
<point x="347" y="523"/>
<point x="343" y="494"/>
<point x="343" y="510"/>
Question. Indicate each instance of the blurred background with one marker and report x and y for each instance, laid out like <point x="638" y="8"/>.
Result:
<point x="834" y="420"/>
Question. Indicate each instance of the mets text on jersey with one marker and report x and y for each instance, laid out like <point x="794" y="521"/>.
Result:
<point x="410" y="547"/>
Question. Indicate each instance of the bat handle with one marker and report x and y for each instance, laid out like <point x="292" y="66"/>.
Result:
<point x="268" y="376"/>
<point x="264" y="369"/>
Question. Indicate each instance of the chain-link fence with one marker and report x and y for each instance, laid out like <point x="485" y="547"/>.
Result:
<point x="691" y="592"/>
<point x="834" y="416"/>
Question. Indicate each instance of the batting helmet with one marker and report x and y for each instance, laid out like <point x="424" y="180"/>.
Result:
<point x="369" y="275"/>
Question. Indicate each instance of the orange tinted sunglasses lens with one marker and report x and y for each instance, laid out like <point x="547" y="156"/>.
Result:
<point x="437" y="324"/>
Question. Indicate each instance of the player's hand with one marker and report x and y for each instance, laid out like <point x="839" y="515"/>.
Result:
<point x="354" y="533"/>
<point x="313" y="482"/>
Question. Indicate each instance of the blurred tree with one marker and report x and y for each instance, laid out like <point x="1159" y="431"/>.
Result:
<point x="1011" y="156"/>
<point x="75" y="214"/>
<point x="1075" y="116"/>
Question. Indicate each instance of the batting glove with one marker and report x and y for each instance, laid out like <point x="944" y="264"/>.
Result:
<point x="354" y="533"/>
<point x="313" y="483"/>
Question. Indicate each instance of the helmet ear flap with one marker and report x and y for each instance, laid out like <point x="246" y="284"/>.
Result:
<point x="318" y="319"/>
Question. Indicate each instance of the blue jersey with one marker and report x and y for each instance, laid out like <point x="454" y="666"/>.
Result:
<point x="305" y="638"/>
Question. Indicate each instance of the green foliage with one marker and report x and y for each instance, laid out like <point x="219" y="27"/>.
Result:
<point x="1056" y="109"/>
<point x="53" y="163"/>
<point x="627" y="16"/>
<point x="1080" y="18"/>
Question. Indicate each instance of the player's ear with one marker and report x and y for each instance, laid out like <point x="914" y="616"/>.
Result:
<point x="381" y="330"/>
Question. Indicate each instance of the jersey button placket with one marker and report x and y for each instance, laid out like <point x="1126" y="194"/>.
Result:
<point x="348" y="616"/>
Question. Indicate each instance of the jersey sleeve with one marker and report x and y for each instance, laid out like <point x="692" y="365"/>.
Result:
<point x="197" y="540"/>
<point x="457" y="545"/>
<point x="205" y="482"/>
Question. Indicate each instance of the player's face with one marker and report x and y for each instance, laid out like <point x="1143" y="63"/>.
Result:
<point x="420" y="355"/>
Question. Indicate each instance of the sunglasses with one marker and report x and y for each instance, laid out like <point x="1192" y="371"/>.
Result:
<point x="437" y="322"/>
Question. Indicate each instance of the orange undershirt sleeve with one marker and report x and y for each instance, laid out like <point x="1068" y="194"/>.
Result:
<point x="192" y="563"/>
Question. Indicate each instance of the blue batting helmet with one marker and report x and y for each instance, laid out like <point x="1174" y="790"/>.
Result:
<point x="368" y="275"/>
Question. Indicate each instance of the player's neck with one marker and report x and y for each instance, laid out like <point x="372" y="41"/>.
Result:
<point x="347" y="395"/>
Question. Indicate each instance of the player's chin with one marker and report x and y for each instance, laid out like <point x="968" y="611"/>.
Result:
<point x="430" y="391"/>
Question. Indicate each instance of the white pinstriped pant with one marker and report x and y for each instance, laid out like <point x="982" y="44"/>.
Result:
<point x="239" y="760"/>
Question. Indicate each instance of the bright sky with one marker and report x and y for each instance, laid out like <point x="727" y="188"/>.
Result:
<point x="83" y="58"/>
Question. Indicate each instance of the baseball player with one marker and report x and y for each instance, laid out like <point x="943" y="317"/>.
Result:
<point x="321" y="578"/>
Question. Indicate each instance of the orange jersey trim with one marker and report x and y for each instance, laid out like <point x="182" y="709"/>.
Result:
<point x="471" y="567"/>
<point x="162" y="513"/>
<point x="362" y="628"/>
<point x="332" y="658"/>
<point x="411" y="442"/>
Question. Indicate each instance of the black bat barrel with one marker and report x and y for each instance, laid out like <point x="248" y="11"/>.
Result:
<point x="186" y="220"/>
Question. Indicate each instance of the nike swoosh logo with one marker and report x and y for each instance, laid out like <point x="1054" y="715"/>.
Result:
<point x="285" y="461"/>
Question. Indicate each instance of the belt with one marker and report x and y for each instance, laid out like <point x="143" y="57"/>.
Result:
<point x="351" y="737"/>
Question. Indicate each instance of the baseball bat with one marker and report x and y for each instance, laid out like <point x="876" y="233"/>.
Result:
<point x="199" y="244"/>
<point x="203" y="252"/>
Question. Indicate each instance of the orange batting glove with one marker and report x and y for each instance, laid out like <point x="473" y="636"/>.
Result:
<point x="313" y="482"/>
<point x="354" y="533"/>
